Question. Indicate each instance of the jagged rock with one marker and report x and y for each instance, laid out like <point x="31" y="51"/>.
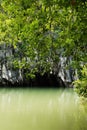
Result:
<point x="60" y="76"/>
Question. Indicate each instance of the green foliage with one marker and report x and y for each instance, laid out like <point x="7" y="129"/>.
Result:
<point x="39" y="30"/>
<point x="81" y="83"/>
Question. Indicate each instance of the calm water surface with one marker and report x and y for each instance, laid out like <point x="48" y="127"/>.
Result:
<point x="41" y="109"/>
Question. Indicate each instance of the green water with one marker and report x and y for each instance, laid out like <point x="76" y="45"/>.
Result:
<point x="41" y="109"/>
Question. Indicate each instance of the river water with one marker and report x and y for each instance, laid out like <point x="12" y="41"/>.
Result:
<point x="41" y="109"/>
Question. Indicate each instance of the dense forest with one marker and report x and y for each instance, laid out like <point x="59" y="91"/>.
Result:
<point x="36" y="36"/>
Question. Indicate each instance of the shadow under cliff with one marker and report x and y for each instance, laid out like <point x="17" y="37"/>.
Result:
<point x="40" y="81"/>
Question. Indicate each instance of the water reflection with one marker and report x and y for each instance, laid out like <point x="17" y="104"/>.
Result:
<point x="41" y="110"/>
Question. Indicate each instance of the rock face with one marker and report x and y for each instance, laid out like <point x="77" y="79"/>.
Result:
<point x="14" y="77"/>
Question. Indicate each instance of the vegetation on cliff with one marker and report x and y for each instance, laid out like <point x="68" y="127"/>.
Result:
<point x="39" y="31"/>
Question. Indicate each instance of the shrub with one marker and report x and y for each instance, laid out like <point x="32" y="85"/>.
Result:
<point x="81" y="83"/>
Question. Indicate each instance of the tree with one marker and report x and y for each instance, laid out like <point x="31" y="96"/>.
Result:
<point x="39" y="31"/>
